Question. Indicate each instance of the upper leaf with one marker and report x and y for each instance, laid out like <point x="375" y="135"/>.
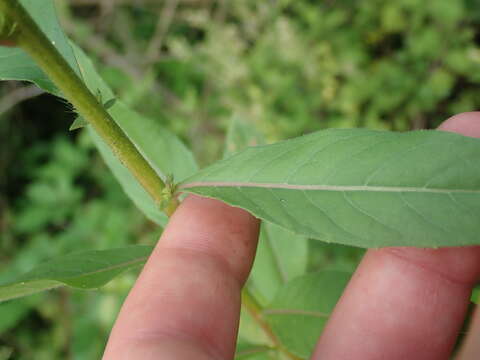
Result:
<point x="84" y="270"/>
<point x="358" y="187"/>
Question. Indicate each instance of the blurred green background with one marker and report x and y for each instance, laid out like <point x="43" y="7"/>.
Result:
<point x="284" y="68"/>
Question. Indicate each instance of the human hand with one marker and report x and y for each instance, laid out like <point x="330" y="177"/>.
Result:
<point x="402" y="303"/>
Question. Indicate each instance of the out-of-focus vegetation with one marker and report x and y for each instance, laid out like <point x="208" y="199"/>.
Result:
<point x="284" y="68"/>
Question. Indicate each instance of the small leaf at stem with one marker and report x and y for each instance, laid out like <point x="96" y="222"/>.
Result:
<point x="78" y="123"/>
<point x="168" y="198"/>
<point x="108" y="104"/>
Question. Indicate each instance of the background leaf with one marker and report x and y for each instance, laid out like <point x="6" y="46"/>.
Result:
<point x="357" y="187"/>
<point x="240" y="135"/>
<point x="252" y="352"/>
<point x="11" y="312"/>
<point x="84" y="270"/>
<point x="301" y="309"/>
<point x="281" y="256"/>
<point x="15" y="64"/>
<point x="161" y="148"/>
<point x="129" y="184"/>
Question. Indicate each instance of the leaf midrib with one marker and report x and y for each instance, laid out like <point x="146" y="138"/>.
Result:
<point x="339" y="188"/>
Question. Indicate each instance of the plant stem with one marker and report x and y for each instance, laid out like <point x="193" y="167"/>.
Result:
<point x="33" y="41"/>
<point x="256" y="311"/>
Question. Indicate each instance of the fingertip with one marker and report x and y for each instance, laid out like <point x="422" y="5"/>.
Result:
<point x="213" y="227"/>
<point x="467" y="123"/>
<point x="205" y="205"/>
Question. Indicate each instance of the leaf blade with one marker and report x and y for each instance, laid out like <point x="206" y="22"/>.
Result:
<point x="129" y="184"/>
<point x="83" y="270"/>
<point x="357" y="187"/>
<point x="281" y="256"/>
<point x="162" y="149"/>
<point x="301" y="309"/>
<point x="252" y="351"/>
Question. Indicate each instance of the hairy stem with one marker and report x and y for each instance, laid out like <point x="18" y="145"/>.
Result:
<point x="25" y="33"/>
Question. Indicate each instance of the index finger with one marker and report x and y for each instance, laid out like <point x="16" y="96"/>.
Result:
<point x="186" y="302"/>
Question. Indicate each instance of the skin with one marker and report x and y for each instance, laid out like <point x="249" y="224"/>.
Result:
<point x="402" y="303"/>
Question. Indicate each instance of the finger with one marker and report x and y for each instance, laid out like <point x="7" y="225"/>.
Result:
<point x="405" y="303"/>
<point x="186" y="302"/>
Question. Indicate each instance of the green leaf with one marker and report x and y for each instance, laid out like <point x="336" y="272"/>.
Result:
<point x="249" y="331"/>
<point x="241" y="135"/>
<point x="249" y="351"/>
<point x="15" y="64"/>
<point x="129" y="184"/>
<point x="281" y="256"/>
<point x="301" y="308"/>
<point x="109" y="103"/>
<point x="475" y="297"/>
<point x="83" y="270"/>
<point x="13" y="312"/>
<point x="163" y="150"/>
<point x="78" y="123"/>
<point x="358" y="187"/>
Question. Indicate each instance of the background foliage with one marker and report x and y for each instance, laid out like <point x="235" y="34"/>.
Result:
<point x="282" y="68"/>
